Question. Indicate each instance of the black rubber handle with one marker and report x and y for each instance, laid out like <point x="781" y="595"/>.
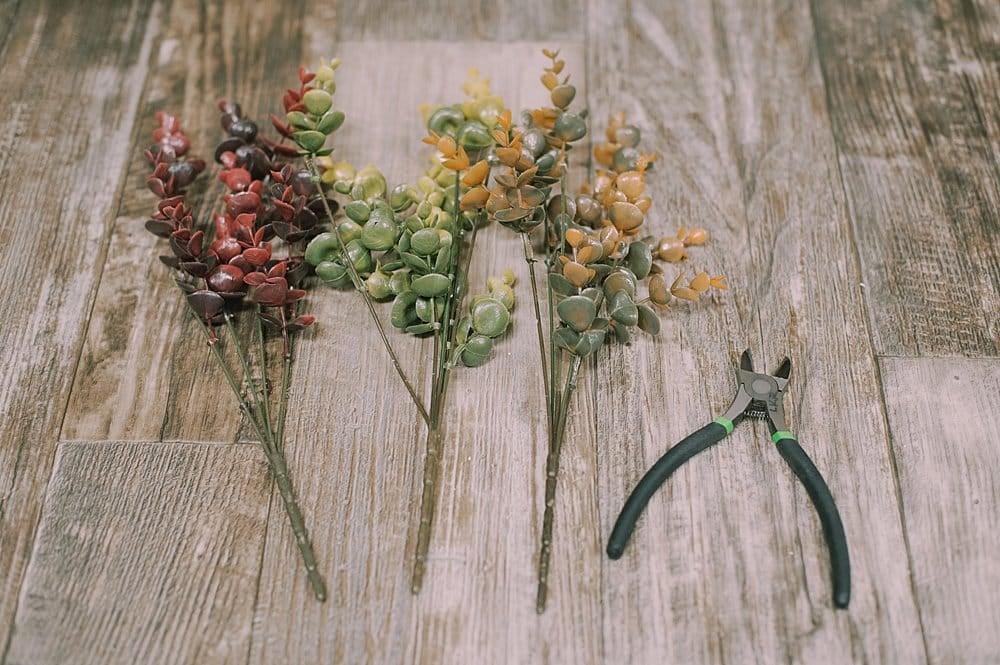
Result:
<point x="704" y="438"/>
<point x="829" y="517"/>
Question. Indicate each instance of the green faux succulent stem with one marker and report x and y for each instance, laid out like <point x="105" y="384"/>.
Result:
<point x="360" y="286"/>
<point x="530" y="260"/>
<point x="443" y="341"/>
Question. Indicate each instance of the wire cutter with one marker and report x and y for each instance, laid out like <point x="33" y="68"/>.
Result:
<point x="758" y="396"/>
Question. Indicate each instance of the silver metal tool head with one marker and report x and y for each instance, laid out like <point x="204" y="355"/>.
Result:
<point x="760" y="394"/>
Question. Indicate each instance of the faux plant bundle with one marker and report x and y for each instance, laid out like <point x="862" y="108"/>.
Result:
<point x="595" y="254"/>
<point x="272" y="207"/>
<point x="412" y="244"/>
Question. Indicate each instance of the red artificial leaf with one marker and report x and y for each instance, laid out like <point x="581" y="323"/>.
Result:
<point x="195" y="243"/>
<point x="206" y="304"/>
<point x="285" y="150"/>
<point x="271" y="293"/>
<point x="242" y="202"/>
<point x="257" y="256"/>
<point x="285" y="211"/>
<point x="157" y="187"/>
<point x="226" y="249"/>
<point x="254" y="278"/>
<point x="236" y="179"/>
<point x="280" y="127"/>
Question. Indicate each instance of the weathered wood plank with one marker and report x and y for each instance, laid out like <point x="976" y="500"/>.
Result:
<point x="8" y="12"/>
<point x="457" y="21"/>
<point x="729" y="563"/>
<point x="145" y="372"/>
<point x="146" y="553"/>
<point x="914" y="95"/>
<point x="358" y="450"/>
<point x="68" y="89"/>
<point x="945" y="447"/>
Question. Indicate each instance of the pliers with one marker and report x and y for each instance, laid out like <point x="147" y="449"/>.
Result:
<point x="758" y="396"/>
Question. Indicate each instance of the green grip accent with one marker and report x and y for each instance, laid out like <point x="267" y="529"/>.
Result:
<point x="781" y="434"/>
<point x="728" y="424"/>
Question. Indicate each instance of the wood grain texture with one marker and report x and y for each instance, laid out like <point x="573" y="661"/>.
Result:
<point x="145" y="372"/>
<point x="146" y="553"/>
<point x="946" y="454"/>
<point x="359" y="443"/>
<point x="69" y="89"/>
<point x="457" y="21"/>
<point x="729" y="562"/>
<point x="843" y="157"/>
<point x="914" y="94"/>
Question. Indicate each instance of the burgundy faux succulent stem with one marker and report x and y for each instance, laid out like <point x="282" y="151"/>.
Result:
<point x="551" y="478"/>
<point x="262" y="361"/>
<point x="286" y="377"/>
<point x="279" y="470"/>
<point x="274" y="450"/>
<point x="259" y="394"/>
<point x="359" y="285"/>
<point x="286" y="351"/>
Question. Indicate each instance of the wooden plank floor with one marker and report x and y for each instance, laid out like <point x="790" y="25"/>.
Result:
<point x="844" y="155"/>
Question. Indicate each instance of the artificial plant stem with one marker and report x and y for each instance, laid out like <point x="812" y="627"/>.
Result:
<point x="286" y="382"/>
<point x="359" y="286"/>
<point x="248" y="375"/>
<point x="433" y="443"/>
<point x="551" y="477"/>
<point x="279" y="469"/>
<point x="262" y="352"/>
<point x="530" y="260"/>
<point x="231" y="380"/>
<point x="431" y="467"/>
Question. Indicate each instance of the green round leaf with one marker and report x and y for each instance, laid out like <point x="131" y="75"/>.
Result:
<point x="431" y="285"/>
<point x="640" y="258"/>
<point x="317" y="101"/>
<point x="330" y="122"/>
<point x="490" y="317"/>
<point x="322" y="248"/>
<point x="623" y="310"/>
<point x="425" y="242"/>
<point x="477" y="351"/>
<point x="403" y="312"/>
<point x="358" y="211"/>
<point x="570" y="127"/>
<point x="648" y="321"/>
<point x="379" y="233"/>
<point x="620" y="279"/>
<point x="333" y="273"/>
<point x="565" y="338"/>
<point x="445" y="120"/>
<point x="577" y="312"/>
<point x="378" y="285"/>
<point x="473" y="136"/>
<point x="310" y="140"/>
<point x="561" y="285"/>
